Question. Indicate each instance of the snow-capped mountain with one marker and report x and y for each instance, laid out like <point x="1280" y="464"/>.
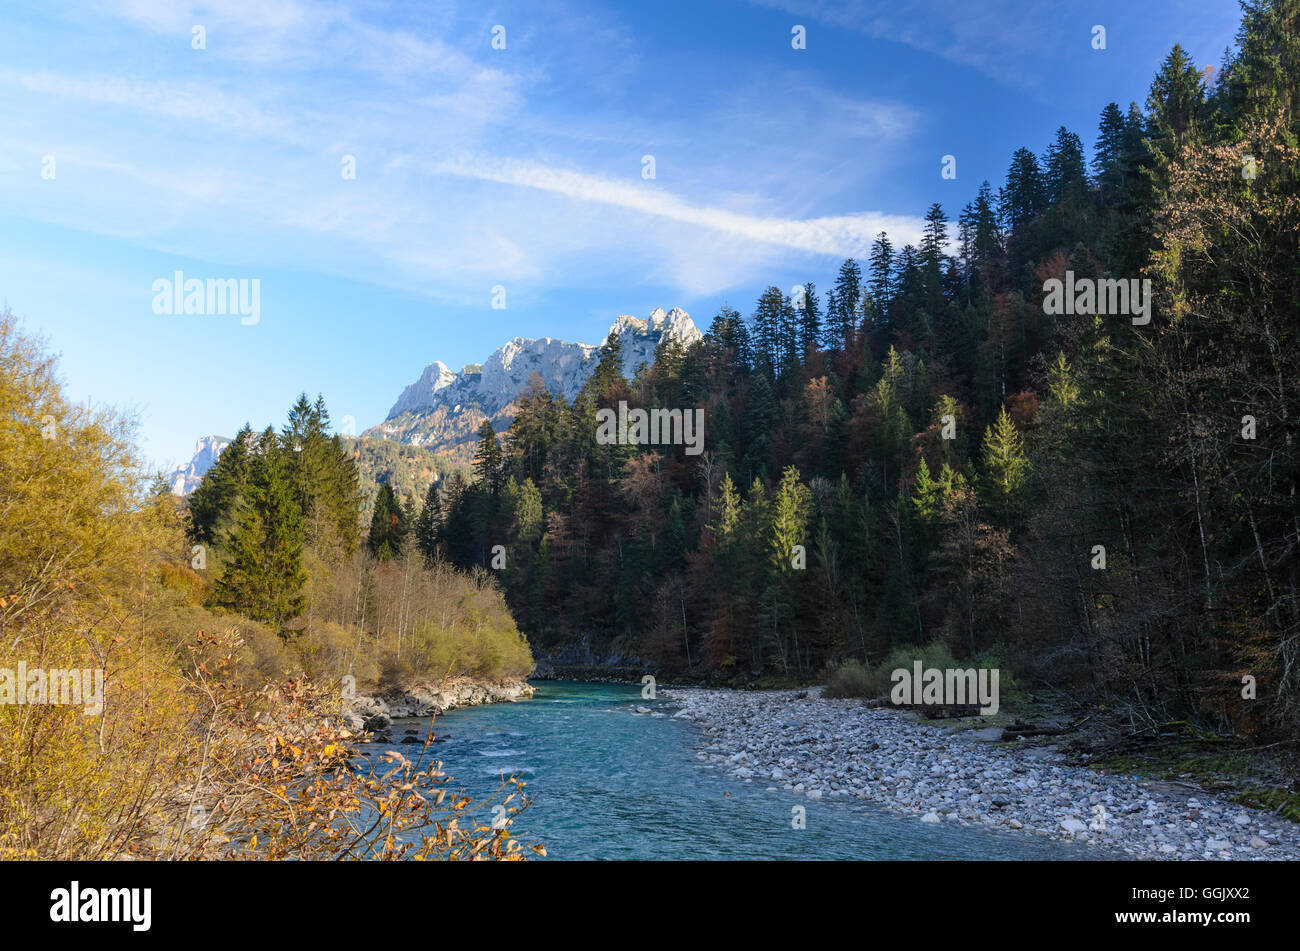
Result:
<point x="444" y="409"/>
<point x="185" y="479"/>
<point x="441" y="412"/>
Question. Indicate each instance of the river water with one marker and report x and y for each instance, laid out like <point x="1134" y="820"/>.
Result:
<point x="611" y="784"/>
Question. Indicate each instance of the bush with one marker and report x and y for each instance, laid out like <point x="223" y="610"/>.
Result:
<point x="849" y="679"/>
<point x="853" y="679"/>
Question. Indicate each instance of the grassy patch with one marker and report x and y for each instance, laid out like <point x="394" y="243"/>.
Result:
<point x="1216" y="764"/>
<point x="1285" y="804"/>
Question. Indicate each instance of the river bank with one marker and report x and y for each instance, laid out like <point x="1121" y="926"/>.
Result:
<point x="421" y="699"/>
<point x="841" y="749"/>
<point x="606" y="784"/>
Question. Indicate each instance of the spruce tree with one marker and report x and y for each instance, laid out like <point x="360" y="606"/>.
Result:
<point x="810" y="322"/>
<point x="427" y="524"/>
<point x="1065" y="182"/>
<point x="1022" y="197"/>
<point x="848" y="298"/>
<point x="487" y="461"/>
<point x="213" y="504"/>
<point x="1006" y="467"/>
<point x="387" y="525"/>
<point x="769" y="320"/>
<point x="262" y="575"/>
<point x="1109" y="150"/>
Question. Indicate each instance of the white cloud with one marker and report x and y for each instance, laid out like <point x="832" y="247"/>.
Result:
<point x="843" y="235"/>
<point x="467" y="172"/>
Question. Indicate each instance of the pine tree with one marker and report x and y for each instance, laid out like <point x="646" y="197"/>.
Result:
<point x="1006" y="467"/>
<point x="387" y="525"/>
<point x="848" y="301"/>
<point x="428" y="523"/>
<point x="487" y="461"/>
<point x="769" y="318"/>
<point x="262" y="575"/>
<point x="1023" y="196"/>
<point x="1109" y="150"/>
<point x="881" y="266"/>
<point x="1065" y="181"/>
<point x="810" y="322"/>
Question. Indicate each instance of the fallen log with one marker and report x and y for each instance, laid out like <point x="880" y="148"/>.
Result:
<point x="1025" y="730"/>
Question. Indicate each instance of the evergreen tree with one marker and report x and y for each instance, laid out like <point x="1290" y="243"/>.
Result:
<point x="387" y="525"/>
<point x="428" y="523"/>
<point x="1109" y="150"/>
<point x="262" y="575"/>
<point x="1176" y="102"/>
<point x="881" y="266"/>
<point x="1260" y="81"/>
<point x="609" y="370"/>
<point x="488" y="460"/>
<point x="1065" y="181"/>
<point x="767" y="337"/>
<point x="848" y="301"/>
<point x="810" y="321"/>
<point x="1023" y="196"/>
<point x="1006" y="467"/>
<point x="213" y="504"/>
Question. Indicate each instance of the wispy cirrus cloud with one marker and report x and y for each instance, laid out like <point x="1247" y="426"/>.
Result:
<point x="842" y="235"/>
<point x="470" y="165"/>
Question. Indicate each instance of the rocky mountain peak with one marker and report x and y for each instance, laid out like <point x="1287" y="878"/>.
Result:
<point x="185" y="479"/>
<point x="444" y="408"/>
<point x="563" y="366"/>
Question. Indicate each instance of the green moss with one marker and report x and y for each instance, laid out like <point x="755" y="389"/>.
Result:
<point x="1279" y="801"/>
<point x="1216" y="764"/>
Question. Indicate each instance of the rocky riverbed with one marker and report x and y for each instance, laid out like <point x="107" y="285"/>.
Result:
<point x="424" y="699"/>
<point x="841" y="749"/>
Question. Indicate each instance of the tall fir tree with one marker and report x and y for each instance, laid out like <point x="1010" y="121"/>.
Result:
<point x="262" y="575"/>
<point x="387" y="525"/>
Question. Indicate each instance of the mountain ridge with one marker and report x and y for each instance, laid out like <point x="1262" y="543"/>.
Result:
<point x="443" y="410"/>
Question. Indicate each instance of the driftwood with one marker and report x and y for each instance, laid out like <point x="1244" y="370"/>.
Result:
<point x="1139" y="739"/>
<point x="1024" y="729"/>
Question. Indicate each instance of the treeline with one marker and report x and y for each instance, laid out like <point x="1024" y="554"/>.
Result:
<point x="276" y="527"/>
<point x="924" y="454"/>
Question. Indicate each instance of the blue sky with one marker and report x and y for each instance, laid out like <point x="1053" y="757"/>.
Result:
<point x="477" y="167"/>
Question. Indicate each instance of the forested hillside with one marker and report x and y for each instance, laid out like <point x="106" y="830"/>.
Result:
<point x="920" y="450"/>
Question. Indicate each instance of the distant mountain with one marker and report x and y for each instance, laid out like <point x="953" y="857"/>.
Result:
<point x="443" y="410"/>
<point x="185" y="479"/>
<point x="432" y="429"/>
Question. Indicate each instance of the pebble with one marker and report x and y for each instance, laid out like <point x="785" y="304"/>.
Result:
<point x="841" y="749"/>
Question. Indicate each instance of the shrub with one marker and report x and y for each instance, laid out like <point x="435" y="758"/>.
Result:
<point x="849" y="679"/>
